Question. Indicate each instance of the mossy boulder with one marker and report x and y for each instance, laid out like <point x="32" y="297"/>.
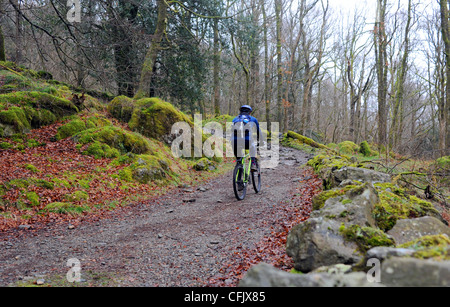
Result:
<point x="366" y="237"/>
<point x="22" y="111"/>
<point x="317" y="243"/>
<point x="155" y="118"/>
<point x="204" y="165"/>
<point x="115" y="137"/>
<point x="148" y="168"/>
<point x="122" y="108"/>
<point x="443" y="163"/>
<point x="410" y="229"/>
<point x="70" y="129"/>
<point x="365" y="149"/>
<point x="396" y="205"/>
<point x="348" y="148"/>
<point x="353" y="205"/>
<point x="101" y="150"/>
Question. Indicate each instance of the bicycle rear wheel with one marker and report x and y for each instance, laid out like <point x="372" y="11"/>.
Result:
<point x="256" y="176"/>
<point x="239" y="187"/>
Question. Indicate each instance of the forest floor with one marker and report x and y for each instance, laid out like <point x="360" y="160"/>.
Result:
<point x="190" y="236"/>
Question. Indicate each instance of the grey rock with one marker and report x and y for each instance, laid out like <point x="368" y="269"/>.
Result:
<point x="411" y="272"/>
<point x="317" y="242"/>
<point x="383" y="253"/>
<point x="360" y="174"/>
<point x="264" y="275"/>
<point x="409" y="230"/>
<point x="352" y="208"/>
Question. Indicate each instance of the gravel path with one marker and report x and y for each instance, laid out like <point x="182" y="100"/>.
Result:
<point x="180" y="239"/>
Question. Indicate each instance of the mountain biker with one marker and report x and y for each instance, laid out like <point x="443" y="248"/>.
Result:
<point x="245" y="127"/>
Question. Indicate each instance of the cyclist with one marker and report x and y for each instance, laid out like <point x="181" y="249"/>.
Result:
<point x="245" y="127"/>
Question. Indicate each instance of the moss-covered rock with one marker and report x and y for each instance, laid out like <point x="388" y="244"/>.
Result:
<point x="366" y="237"/>
<point x="204" y="165"/>
<point x="148" y="168"/>
<point x="122" y="108"/>
<point x="22" y="111"/>
<point x="348" y="148"/>
<point x="443" y="162"/>
<point x="155" y="118"/>
<point x="116" y="137"/>
<point x="70" y="129"/>
<point x="365" y="149"/>
<point x="320" y="199"/>
<point x="101" y="150"/>
<point x="396" y="205"/>
<point x="321" y="162"/>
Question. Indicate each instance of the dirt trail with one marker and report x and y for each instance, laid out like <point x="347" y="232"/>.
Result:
<point x="181" y="239"/>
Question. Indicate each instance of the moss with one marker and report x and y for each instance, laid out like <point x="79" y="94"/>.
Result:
<point x="16" y="118"/>
<point x="364" y="149"/>
<point x="32" y="143"/>
<point x="126" y="174"/>
<point x="366" y="237"/>
<point x="203" y="165"/>
<point x="70" y="129"/>
<point x="348" y="147"/>
<point x="443" y="162"/>
<point x="33" y="198"/>
<point x="305" y="140"/>
<point x="320" y="199"/>
<point x="65" y="208"/>
<point x="117" y="138"/>
<point x="156" y="121"/>
<point x="334" y="162"/>
<point x="427" y="242"/>
<point x="77" y="196"/>
<point x="148" y="168"/>
<point x="28" y="110"/>
<point x="43" y="183"/>
<point x="38" y="100"/>
<point x="5" y="145"/>
<point x="122" y="108"/>
<point x="100" y="150"/>
<point x="430" y="247"/>
<point x="395" y="205"/>
<point x="31" y="168"/>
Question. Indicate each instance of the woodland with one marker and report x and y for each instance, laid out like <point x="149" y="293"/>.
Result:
<point x="378" y="72"/>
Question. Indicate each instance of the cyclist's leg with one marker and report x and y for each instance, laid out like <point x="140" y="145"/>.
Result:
<point x="254" y="155"/>
<point x="238" y="153"/>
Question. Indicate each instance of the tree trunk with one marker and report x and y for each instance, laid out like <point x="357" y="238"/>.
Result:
<point x="444" y="118"/>
<point x="397" y="119"/>
<point x="278" y="9"/>
<point x="382" y="69"/>
<point x="2" y="45"/>
<point x="153" y="51"/>
<point x="18" y="38"/>
<point x="266" y="65"/>
<point x="216" y="68"/>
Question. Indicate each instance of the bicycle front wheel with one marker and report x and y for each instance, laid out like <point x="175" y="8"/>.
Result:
<point x="239" y="187"/>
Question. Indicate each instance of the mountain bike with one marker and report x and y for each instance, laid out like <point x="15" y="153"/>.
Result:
<point x="243" y="177"/>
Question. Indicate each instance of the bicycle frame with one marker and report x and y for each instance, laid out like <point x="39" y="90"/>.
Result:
<point x="246" y="168"/>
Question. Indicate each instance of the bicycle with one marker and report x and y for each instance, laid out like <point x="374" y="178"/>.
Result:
<point x="243" y="177"/>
